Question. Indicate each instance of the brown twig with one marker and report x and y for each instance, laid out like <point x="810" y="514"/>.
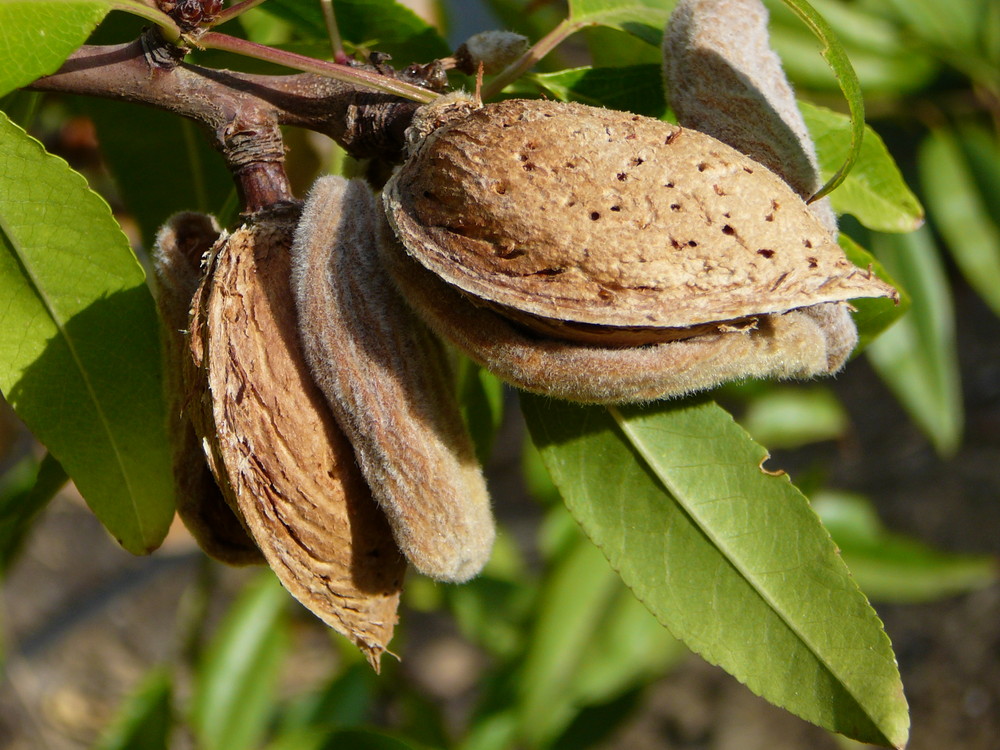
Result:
<point x="242" y="112"/>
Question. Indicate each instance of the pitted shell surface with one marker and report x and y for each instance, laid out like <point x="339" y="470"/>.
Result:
<point x="593" y="216"/>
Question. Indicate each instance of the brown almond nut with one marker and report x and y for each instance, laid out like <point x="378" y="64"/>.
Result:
<point x="620" y="258"/>
<point x="387" y="381"/>
<point x="573" y="213"/>
<point x="180" y="245"/>
<point x="276" y="449"/>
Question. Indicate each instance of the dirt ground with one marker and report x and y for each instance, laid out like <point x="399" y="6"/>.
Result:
<point x="83" y="620"/>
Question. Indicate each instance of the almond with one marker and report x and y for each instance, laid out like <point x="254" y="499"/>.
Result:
<point x="276" y="450"/>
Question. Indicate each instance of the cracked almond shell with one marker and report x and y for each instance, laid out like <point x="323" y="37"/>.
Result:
<point x="180" y="244"/>
<point x="275" y="449"/>
<point x="581" y="216"/>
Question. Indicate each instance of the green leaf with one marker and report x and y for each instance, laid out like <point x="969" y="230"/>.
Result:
<point x="383" y="25"/>
<point x="890" y="567"/>
<point x="361" y="739"/>
<point x="145" y="721"/>
<point x="37" y="35"/>
<point x="491" y="610"/>
<point x="635" y="88"/>
<point x="961" y="212"/>
<point x="833" y="52"/>
<point x="873" y="315"/>
<point x="592" y="641"/>
<point x="354" y="739"/>
<point x="730" y="558"/>
<point x="571" y="607"/>
<point x="79" y="342"/>
<point x="982" y="153"/>
<point x="916" y="357"/>
<point x="25" y="490"/>
<point x="346" y="700"/>
<point x="629" y="648"/>
<point x="874" y="192"/>
<point x="953" y="24"/>
<point x="496" y="731"/>
<point x="611" y="48"/>
<point x="640" y="20"/>
<point x="300" y="739"/>
<point x="480" y="397"/>
<point x="235" y="682"/>
<point x="879" y="50"/>
<point x="787" y="417"/>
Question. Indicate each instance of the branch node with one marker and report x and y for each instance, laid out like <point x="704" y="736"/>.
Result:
<point x="158" y="52"/>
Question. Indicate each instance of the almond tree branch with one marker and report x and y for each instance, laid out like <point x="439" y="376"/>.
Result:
<point x="241" y="112"/>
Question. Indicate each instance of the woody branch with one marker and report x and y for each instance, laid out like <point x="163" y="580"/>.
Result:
<point x="242" y="112"/>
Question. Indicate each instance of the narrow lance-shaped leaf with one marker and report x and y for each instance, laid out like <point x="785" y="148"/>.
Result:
<point x="573" y="602"/>
<point x="874" y="191"/>
<point x="873" y="315"/>
<point x="636" y="18"/>
<point x="880" y="51"/>
<point x="592" y="641"/>
<point x="835" y="55"/>
<point x="893" y="568"/>
<point x="23" y="496"/>
<point x="236" y="680"/>
<point x="917" y="357"/>
<point x="730" y="558"/>
<point x="79" y="341"/>
<point x="37" y="35"/>
<point x="385" y="25"/>
<point x="961" y="213"/>
<point x="144" y="722"/>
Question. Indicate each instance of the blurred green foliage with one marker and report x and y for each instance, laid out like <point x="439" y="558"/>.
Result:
<point x="568" y="647"/>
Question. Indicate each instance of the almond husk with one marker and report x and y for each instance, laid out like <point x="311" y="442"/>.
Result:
<point x="274" y="446"/>
<point x="180" y="245"/>
<point x="723" y="79"/>
<point x="574" y="213"/>
<point x="796" y="344"/>
<point x="388" y="382"/>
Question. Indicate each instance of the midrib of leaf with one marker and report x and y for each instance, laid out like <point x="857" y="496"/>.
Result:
<point x="57" y="321"/>
<point x="639" y="444"/>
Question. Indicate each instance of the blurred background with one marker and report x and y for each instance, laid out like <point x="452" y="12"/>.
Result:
<point x="900" y="455"/>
